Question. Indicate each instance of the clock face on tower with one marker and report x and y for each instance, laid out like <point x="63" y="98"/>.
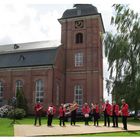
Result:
<point x="79" y="24"/>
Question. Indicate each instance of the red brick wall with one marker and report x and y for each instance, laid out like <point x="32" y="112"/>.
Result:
<point x="90" y="75"/>
<point x="28" y="76"/>
<point x="59" y="76"/>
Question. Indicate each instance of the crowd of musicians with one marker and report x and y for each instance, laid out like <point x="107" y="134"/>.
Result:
<point x="111" y="112"/>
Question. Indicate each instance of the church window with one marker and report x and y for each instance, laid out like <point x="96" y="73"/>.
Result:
<point x="79" y="38"/>
<point x="39" y="91"/>
<point x="19" y="85"/>
<point x="78" y="95"/>
<point x="79" y="59"/>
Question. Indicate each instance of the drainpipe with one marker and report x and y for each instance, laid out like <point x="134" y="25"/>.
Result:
<point x="52" y="83"/>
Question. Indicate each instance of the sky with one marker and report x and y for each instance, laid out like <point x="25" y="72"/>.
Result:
<point x="37" y="20"/>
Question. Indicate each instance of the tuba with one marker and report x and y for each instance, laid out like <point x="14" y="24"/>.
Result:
<point x="70" y="107"/>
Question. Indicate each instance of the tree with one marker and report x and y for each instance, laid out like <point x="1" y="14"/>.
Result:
<point x="21" y="100"/>
<point x="122" y="50"/>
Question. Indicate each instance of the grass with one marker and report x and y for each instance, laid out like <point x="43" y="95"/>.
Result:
<point x="119" y="134"/>
<point x="6" y="129"/>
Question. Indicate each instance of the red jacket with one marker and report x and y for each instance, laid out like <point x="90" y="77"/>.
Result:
<point x="38" y="108"/>
<point x="85" y="110"/>
<point x="62" y="111"/>
<point x="124" y="110"/>
<point x="51" y="110"/>
<point x="108" y="109"/>
<point x="97" y="109"/>
<point x="115" y="109"/>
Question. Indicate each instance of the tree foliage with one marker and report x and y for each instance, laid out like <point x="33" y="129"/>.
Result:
<point x="21" y="100"/>
<point x="122" y="50"/>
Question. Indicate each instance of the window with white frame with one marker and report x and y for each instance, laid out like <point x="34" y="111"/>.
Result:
<point x="19" y="85"/>
<point x="39" y="91"/>
<point x="57" y="94"/>
<point x="1" y="91"/>
<point x="79" y="59"/>
<point x="78" y="95"/>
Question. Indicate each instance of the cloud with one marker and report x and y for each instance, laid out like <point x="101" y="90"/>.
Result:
<point x="33" y="22"/>
<point x="23" y="23"/>
<point x="105" y="77"/>
<point x="50" y="25"/>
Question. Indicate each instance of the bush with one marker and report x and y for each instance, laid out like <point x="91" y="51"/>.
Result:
<point x="4" y="110"/>
<point x="19" y="113"/>
<point x="21" y="100"/>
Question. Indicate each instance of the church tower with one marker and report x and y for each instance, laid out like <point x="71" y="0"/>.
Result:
<point x="81" y="29"/>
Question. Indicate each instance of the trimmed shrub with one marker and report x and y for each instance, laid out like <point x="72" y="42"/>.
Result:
<point x="18" y="113"/>
<point x="4" y="110"/>
<point x="21" y="100"/>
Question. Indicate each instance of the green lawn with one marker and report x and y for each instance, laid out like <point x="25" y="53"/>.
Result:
<point x="6" y="128"/>
<point x="119" y="134"/>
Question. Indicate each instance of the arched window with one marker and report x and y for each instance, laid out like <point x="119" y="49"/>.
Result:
<point x="57" y="94"/>
<point x="19" y="85"/>
<point x="1" y="91"/>
<point x="39" y="91"/>
<point x="79" y="59"/>
<point x="79" y="38"/>
<point x="78" y="95"/>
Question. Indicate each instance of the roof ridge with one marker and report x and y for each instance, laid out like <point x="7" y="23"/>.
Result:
<point x="30" y="50"/>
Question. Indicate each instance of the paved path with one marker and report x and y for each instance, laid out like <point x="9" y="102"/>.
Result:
<point x="31" y="130"/>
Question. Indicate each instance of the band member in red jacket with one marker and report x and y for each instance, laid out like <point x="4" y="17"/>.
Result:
<point x="62" y="111"/>
<point x="104" y="113"/>
<point x="86" y="111"/>
<point x="95" y="112"/>
<point x="107" y="113"/>
<point x="124" y="112"/>
<point x="73" y="110"/>
<point x="115" y="114"/>
<point x="50" y="112"/>
<point x="38" y="110"/>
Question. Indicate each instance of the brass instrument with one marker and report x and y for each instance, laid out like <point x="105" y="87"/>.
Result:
<point x="38" y="109"/>
<point x="70" y="107"/>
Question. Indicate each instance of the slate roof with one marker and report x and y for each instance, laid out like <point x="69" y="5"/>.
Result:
<point x="80" y="10"/>
<point x="24" y="57"/>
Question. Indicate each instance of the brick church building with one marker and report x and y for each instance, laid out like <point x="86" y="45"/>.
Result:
<point x="57" y="73"/>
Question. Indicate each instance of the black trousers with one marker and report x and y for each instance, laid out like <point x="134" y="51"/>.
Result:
<point x="50" y="117"/>
<point x="37" y="117"/>
<point x="86" y="120"/>
<point x="96" y="119"/>
<point x="124" y="121"/>
<point x="73" y="118"/>
<point x="106" y="119"/>
<point x="115" y="120"/>
<point x="62" y="120"/>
